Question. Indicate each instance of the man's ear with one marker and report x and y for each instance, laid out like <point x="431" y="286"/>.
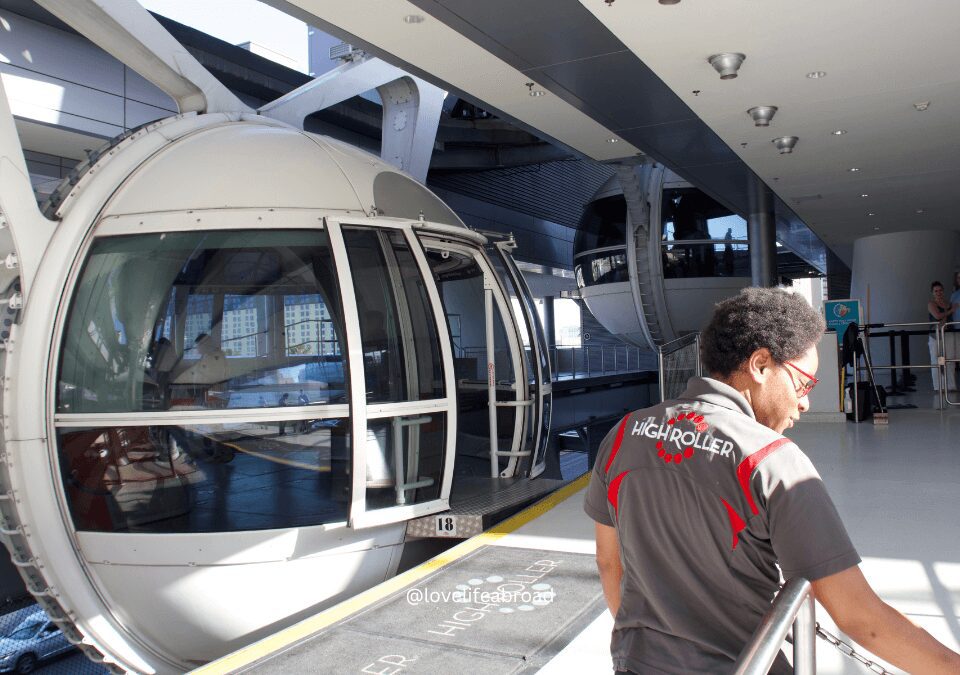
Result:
<point x="759" y="365"/>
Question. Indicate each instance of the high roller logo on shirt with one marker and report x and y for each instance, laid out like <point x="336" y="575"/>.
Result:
<point x="680" y="437"/>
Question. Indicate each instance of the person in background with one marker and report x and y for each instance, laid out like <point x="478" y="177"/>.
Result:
<point x="701" y="503"/>
<point x="940" y="311"/>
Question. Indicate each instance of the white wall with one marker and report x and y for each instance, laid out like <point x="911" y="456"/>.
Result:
<point x="898" y="269"/>
<point x="60" y="79"/>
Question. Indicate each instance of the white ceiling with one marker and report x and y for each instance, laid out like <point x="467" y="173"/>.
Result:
<point x="444" y="53"/>
<point x="880" y="56"/>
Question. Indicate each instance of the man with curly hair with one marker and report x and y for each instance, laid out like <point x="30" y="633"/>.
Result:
<point x="700" y="504"/>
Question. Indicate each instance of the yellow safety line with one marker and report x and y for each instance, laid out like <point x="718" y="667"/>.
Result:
<point x="288" y="636"/>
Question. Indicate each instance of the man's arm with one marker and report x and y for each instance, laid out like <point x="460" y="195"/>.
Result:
<point x="862" y="615"/>
<point x="608" y="562"/>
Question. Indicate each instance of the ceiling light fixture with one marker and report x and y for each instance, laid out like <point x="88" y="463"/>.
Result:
<point x="669" y="2"/>
<point x="871" y="214"/>
<point x="613" y="140"/>
<point x="413" y="18"/>
<point x="816" y="74"/>
<point x="853" y="169"/>
<point x="762" y="114"/>
<point x="727" y="64"/>
<point x="785" y="144"/>
<point x="876" y="228"/>
<point x="864" y="195"/>
<point x="536" y="93"/>
<point x="921" y="105"/>
<point x="919" y="211"/>
<point x="839" y="132"/>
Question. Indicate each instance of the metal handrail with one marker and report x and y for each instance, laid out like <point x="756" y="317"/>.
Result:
<point x="672" y="347"/>
<point x="933" y="327"/>
<point x="793" y="607"/>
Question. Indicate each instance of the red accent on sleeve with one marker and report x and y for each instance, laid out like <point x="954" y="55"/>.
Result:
<point x="616" y="444"/>
<point x="745" y="470"/>
<point x="736" y="522"/>
<point x="613" y="492"/>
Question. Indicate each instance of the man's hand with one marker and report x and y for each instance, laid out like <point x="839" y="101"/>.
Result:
<point x="859" y="613"/>
<point x="608" y="562"/>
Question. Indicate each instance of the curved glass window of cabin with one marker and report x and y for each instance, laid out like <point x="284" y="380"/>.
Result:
<point x="602" y="267"/>
<point x="398" y="331"/>
<point x="700" y="237"/>
<point x="599" y="249"/>
<point x="204" y="320"/>
<point x="603" y="224"/>
<point x="207" y="477"/>
<point x="682" y="260"/>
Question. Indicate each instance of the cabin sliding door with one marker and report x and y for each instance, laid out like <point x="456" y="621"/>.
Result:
<point x="401" y="364"/>
<point x="493" y="406"/>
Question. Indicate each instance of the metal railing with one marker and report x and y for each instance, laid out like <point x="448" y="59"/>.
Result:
<point x="597" y="360"/>
<point x="678" y="361"/>
<point x="939" y="331"/>
<point x="793" y="607"/>
<point x="948" y="334"/>
<point x="573" y="363"/>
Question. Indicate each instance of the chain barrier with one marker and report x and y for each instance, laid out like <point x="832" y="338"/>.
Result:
<point x="848" y="650"/>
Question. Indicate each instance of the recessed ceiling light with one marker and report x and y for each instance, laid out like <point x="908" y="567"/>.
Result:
<point x="864" y="195"/>
<point x="727" y="64"/>
<point x="871" y="214"/>
<point x="921" y="105"/>
<point x="413" y="18"/>
<point x="839" y="132"/>
<point x="854" y="169"/>
<point x="919" y="211"/>
<point x="816" y="74"/>
<point x="613" y="140"/>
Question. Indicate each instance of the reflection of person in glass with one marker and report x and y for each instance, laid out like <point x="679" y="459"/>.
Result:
<point x="282" y="403"/>
<point x="302" y="399"/>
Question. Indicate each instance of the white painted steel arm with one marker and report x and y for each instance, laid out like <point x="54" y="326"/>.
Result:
<point x="23" y="229"/>
<point x="335" y="86"/>
<point x="129" y="32"/>
<point x="411" y="108"/>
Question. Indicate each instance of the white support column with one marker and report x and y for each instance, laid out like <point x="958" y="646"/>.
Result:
<point x="411" y="114"/>
<point x="24" y="231"/>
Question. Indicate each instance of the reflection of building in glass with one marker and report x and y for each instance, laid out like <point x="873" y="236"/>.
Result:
<point x="240" y="326"/>
<point x="199" y="320"/>
<point x="308" y="326"/>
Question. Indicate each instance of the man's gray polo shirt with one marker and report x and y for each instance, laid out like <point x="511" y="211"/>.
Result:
<point x="707" y="502"/>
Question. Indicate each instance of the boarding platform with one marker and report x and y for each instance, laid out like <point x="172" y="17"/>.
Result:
<point x="507" y="601"/>
<point x="916" y="569"/>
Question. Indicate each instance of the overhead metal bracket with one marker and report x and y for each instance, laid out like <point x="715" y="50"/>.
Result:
<point x="411" y="108"/>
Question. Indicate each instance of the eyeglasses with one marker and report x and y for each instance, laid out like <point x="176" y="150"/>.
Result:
<point x="805" y="387"/>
